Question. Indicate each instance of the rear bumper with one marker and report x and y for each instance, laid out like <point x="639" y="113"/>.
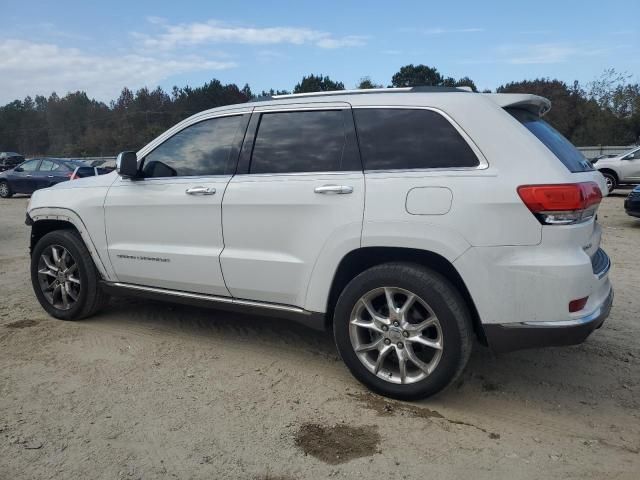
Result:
<point x="517" y="336"/>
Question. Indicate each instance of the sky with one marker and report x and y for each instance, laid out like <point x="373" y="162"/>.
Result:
<point x="101" y="47"/>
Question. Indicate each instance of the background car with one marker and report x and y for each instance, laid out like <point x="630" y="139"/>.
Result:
<point x="632" y="203"/>
<point x="37" y="173"/>
<point x="9" y="160"/>
<point x="88" y="171"/>
<point x="624" y="168"/>
<point x="107" y="164"/>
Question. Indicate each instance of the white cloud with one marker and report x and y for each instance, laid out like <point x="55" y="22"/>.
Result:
<point x="212" y="31"/>
<point x="29" y="68"/>
<point x="442" y="30"/>
<point x="541" y="53"/>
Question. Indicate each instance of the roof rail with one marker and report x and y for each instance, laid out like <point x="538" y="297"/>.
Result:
<point x="425" y="89"/>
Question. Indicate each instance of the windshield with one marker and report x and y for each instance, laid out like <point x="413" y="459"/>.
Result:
<point x="562" y="148"/>
<point x="13" y="161"/>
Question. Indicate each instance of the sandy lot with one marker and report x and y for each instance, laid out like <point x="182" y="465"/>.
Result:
<point x="151" y="390"/>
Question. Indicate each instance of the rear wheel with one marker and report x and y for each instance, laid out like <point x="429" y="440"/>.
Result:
<point x="611" y="181"/>
<point x="5" y="190"/>
<point x="403" y="330"/>
<point x="64" y="277"/>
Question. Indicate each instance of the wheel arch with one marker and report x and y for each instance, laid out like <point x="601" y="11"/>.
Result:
<point x="361" y="259"/>
<point x="610" y="171"/>
<point x="49" y="220"/>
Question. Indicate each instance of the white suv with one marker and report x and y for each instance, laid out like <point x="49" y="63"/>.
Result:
<point x="410" y="221"/>
<point x="624" y="168"/>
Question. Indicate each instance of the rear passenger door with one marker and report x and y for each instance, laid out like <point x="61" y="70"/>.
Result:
<point x="295" y="204"/>
<point x="52" y="172"/>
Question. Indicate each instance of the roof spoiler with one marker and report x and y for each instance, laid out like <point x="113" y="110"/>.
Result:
<point x="526" y="101"/>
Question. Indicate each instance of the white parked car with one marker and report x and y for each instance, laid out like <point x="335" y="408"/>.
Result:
<point x="624" y="168"/>
<point x="412" y="222"/>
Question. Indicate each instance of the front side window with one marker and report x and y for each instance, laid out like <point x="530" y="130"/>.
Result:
<point x="400" y="138"/>
<point x="201" y="149"/>
<point x="297" y="142"/>
<point x="30" y="166"/>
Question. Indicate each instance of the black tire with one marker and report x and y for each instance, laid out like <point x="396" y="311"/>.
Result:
<point x="612" y="181"/>
<point x="5" y="190"/>
<point x="444" y="300"/>
<point x="91" y="298"/>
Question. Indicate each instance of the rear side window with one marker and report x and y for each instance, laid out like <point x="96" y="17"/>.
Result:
<point x="397" y="138"/>
<point x="562" y="148"/>
<point x="296" y="142"/>
<point x="48" y="166"/>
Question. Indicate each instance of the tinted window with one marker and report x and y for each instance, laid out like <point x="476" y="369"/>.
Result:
<point x="30" y="166"/>
<point x="396" y="138"/>
<point x="562" y="148"/>
<point x="311" y="141"/>
<point x="200" y="149"/>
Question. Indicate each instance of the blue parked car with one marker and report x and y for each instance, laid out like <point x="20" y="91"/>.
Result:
<point x="39" y="173"/>
<point x="632" y="203"/>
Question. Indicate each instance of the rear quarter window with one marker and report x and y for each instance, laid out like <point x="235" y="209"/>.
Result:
<point x="562" y="148"/>
<point x="401" y="138"/>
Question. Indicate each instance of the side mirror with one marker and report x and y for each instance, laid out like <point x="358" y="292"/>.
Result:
<point x="18" y="169"/>
<point x="127" y="165"/>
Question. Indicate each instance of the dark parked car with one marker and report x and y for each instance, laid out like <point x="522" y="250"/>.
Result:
<point x="38" y="173"/>
<point x="9" y="160"/>
<point x="632" y="203"/>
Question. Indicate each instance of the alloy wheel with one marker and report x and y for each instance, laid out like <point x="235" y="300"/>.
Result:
<point x="4" y="189"/>
<point x="396" y="335"/>
<point x="58" y="277"/>
<point x="609" y="182"/>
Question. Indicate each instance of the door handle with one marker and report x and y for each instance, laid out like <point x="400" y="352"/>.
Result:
<point x="49" y="176"/>
<point x="334" y="189"/>
<point x="28" y="175"/>
<point x="200" y="191"/>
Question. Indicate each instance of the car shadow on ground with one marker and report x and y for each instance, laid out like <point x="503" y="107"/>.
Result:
<point x="563" y="374"/>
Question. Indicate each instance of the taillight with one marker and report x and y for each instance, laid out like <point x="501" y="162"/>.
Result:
<point x="72" y="175"/>
<point x="562" y="204"/>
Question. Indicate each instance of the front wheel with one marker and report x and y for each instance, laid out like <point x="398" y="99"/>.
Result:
<point x="611" y="182"/>
<point x="64" y="277"/>
<point x="403" y="330"/>
<point x="5" y="190"/>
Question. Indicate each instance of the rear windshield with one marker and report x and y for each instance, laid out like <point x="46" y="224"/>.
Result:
<point x="73" y="164"/>
<point x="562" y="148"/>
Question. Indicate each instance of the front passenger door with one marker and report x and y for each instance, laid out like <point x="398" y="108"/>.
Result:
<point x="630" y="166"/>
<point x="165" y="229"/>
<point x="25" y="180"/>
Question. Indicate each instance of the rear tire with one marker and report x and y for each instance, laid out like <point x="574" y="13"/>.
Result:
<point x="612" y="181"/>
<point x="5" y="190"/>
<point x="425" y="342"/>
<point x="64" y="277"/>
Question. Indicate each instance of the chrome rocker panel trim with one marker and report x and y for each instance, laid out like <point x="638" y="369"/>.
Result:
<point x="315" y="320"/>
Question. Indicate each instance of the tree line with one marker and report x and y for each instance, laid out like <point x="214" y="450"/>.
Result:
<point x="603" y="112"/>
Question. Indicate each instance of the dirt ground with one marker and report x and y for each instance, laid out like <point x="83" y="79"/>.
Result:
<point x="151" y="390"/>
